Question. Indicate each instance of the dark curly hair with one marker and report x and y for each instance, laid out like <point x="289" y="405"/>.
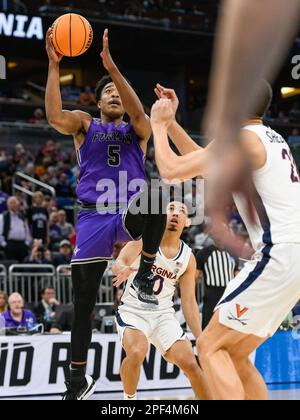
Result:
<point x="101" y="85"/>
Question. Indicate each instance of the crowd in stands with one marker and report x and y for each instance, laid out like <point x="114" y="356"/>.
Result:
<point x="284" y="115"/>
<point x="39" y="235"/>
<point x="40" y="230"/>
<point x="182" y="12"/>
<point x="47" y="316"/>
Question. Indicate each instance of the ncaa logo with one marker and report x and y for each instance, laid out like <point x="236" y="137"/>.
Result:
<point x="2" y="67"/>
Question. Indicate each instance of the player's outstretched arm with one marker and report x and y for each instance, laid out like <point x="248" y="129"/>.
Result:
<point x="66" y="122"/>
<point x="173" y="168"/>
<point x="122" y="267"/>
<point x="188" y="298"/>
<point x="131" y="101"/>
<point x="184" y="143"/>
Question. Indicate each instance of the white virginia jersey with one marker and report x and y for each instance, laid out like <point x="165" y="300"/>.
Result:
<point x="278" y="194"/>
<point x="167" y="273"/>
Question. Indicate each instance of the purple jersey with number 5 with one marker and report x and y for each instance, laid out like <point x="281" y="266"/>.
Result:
<point x="111" y="164"/>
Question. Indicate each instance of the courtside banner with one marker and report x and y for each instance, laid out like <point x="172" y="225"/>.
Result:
<point x="37" y="365"/>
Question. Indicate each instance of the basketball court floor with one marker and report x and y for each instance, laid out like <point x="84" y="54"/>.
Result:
<point x="284" y="393"/>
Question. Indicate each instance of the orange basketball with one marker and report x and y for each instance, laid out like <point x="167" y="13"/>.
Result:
<point x="72" y="35"/>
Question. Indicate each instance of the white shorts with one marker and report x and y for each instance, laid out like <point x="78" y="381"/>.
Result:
<point x="264" y="292"/>
<point x="161" y="330"/>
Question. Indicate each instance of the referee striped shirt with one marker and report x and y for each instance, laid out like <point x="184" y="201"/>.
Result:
<point x="217" y="267"/>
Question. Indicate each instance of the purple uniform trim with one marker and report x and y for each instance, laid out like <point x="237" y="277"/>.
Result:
<point x="96" y="236"/>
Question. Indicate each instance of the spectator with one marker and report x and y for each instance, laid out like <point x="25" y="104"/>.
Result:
<point x="38" y="218"/>
<point x="50" y="176"/>
<point x="282" y="117"/>
<point x="3" y="302"/>
<point x="46" y="155"/>
<point x="38" y="117"/>
<point x="30" y="170"/>
<point x="16" y="316"/>
<point x="64" y="256"/>
<point x="63" y="188"/>
<point x="66" y="228"/>
<point x="46" y="311"/>
<point x="294" y="138"/>
<point x="50" y="205"/>
<point x="3" y="202"/>
<point x="54" y="229"/>
<point x="14" y="232"/>
<point x="65" y="316"/>
<point x="60" y="155"/>
<point x="39" y="254"/>
<point x="86" y="97"/>
<point x="23" y="199"/>
<point x="73" y="239"/>
<point x="19" y="153"/>
<point x="295" y="111"/>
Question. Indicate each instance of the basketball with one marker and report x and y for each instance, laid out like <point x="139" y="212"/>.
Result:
<point x="72" y="35"/>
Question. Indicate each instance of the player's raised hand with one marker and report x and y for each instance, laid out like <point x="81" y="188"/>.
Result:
<point x="162" y="113"/>
<point x="53" y="55"/>
<point x="107" y="60"/>
<point x="165" y="93"/>
<point x="123" y="275"/>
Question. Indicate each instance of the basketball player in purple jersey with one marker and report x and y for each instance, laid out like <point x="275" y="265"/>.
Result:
<point x="110" y="153"/>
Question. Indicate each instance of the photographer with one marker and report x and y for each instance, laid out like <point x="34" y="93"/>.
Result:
<point x="39" y="254"/>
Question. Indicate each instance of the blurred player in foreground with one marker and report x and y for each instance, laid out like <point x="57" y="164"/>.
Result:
<point x="175" y="265"/>
<point x="268" y="287"/>
<point x="253" y="37"/>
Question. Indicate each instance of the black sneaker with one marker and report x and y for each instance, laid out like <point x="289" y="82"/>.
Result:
<point x="82" y="392"/>
<point x="144" y="286"/>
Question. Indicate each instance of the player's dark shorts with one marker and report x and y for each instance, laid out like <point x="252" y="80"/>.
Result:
<point x="96" y="235"/>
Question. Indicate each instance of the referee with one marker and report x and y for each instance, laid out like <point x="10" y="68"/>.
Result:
<point x="217" y="268"/>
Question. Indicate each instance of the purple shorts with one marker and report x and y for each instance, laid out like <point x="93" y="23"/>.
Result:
<point x="96" y="236"/>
